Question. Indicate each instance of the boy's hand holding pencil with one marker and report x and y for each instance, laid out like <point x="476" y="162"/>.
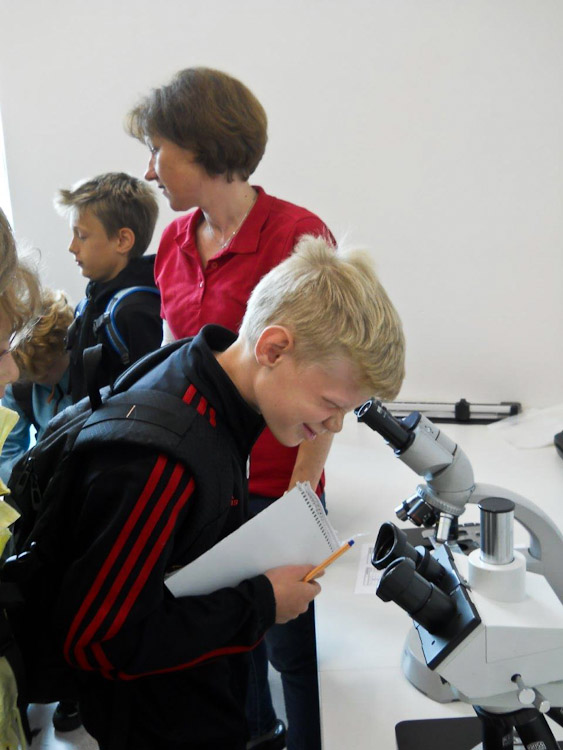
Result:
<point x="292" y="595"/>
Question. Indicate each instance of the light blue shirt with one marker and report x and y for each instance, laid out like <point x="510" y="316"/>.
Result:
<point x="24" y="434"/>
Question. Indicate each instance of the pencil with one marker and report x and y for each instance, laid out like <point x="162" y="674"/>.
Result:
<point x="325" y="563"/>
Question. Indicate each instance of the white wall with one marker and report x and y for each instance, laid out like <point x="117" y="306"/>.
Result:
<point x="428" y="130"/>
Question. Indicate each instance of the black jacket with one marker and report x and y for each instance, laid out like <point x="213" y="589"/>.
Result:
<point x="139" y="323"/>
<point x="180" y="663"/>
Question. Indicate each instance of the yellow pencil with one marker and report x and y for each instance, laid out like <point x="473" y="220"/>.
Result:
<point x="312" y="573"/>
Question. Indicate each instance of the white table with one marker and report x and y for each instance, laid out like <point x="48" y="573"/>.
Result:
<point x="359" y="638"/>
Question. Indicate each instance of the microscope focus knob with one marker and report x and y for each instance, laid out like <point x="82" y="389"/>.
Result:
<point x="541" y="703"/>
<point x="526" y="696"/>
<point x="530" y="697"/>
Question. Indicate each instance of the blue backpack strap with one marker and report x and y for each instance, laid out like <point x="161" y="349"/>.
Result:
<point x="108" y="319"/>
<point x="81" y="306"/>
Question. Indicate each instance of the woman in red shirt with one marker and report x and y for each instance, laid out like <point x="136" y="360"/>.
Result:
<point x="207" y="133"/>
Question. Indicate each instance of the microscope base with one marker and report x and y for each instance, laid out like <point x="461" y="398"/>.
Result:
<point x="438" y="734"/>
<point x="441" y="734"/>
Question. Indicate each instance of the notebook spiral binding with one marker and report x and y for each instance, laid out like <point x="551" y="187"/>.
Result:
<point x="319" y="514"/>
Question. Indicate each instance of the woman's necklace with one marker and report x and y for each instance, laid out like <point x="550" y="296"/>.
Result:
<point x="239" y="225"/>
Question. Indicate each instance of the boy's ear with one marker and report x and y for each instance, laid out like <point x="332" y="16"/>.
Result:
<point x="125" y="239"/>
<point x="273" y="343"/>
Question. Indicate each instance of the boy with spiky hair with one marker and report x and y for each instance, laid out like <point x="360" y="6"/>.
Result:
<point x="159" y="672"/>
<point x="112" y="217"/>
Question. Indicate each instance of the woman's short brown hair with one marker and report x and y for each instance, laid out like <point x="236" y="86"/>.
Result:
<point x="210" y="113"/>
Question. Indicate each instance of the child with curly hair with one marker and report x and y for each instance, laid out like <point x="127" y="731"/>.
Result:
<point x="42" y="390"/>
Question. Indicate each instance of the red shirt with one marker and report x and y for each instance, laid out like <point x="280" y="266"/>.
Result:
<point x="193" y="296"/>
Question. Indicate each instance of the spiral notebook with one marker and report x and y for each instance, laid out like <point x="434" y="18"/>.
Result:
<point x="294" y="530"/>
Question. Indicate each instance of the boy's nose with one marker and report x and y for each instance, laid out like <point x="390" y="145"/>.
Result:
<point x="335" y="422"/>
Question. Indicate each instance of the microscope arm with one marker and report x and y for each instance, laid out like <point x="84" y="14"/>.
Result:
<point x="546" y="540"/>
<point x="449" y="485"/>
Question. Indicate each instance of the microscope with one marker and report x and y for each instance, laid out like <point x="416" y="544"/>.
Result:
<point x="488" y="625"/>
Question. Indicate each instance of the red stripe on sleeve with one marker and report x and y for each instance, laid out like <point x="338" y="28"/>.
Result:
<point x="120" y="579"/>
<point x="101" y="658"/>
<point x="140" y="580"/>
<point x="225" y="651"/>
<point x="111" y="558"/>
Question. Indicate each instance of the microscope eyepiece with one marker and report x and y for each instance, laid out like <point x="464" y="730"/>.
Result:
<point x="362" y="410"/>
<point x="392" y="543"/>
<point x="422" y="600"/>
<point x="376" y="416"/>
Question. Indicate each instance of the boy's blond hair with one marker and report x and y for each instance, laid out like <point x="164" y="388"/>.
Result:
<point x="46" y="340"/>
<point x="117" y="200"/>
<point x="19" y="284"/>
<point x="333" y="303"/>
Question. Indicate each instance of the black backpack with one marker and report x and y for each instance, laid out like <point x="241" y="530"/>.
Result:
<point x="41" y="490"/>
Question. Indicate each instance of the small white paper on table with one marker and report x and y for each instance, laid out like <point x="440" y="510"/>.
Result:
<point x="367" y="577"/>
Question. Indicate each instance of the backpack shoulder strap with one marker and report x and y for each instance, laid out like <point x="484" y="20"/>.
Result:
<point x="108" y="319"/>
<point x="23" y="394"/>
<point x="151" y="419"/>
<point x="81" y="306"/>
<point x="73" y="328"/>
<point x="93" y="362"/>
<point x="145" y="364"/>
<point x="145" y="418"/>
